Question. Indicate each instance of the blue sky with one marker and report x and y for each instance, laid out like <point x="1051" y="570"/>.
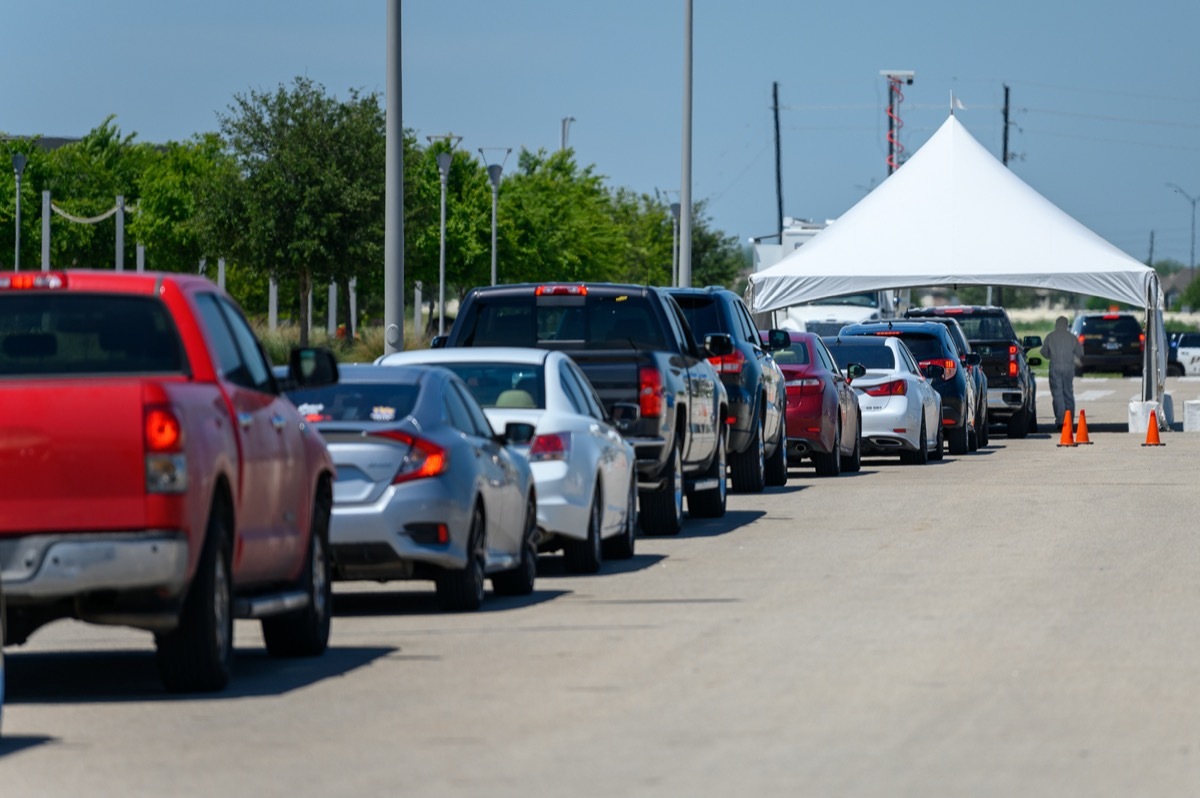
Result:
<point x="1105" y="96"/>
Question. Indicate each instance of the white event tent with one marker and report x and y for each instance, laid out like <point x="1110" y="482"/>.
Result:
<point x="954" y="215"/>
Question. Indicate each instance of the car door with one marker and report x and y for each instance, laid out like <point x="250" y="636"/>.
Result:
<point x="769" y="371"/>
<point x="270" y="479"/>
<point x="846" y="398"/>
<point x="701" y="391"/>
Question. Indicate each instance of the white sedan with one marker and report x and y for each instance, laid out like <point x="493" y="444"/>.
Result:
<point x="901" y="410"/>
<point x="584" y="469"/>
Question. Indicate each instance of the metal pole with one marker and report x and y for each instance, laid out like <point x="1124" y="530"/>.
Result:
<point x="675" y="243"/>
<point x="778" y="160"/>
<point x="444" y="171"/>
<point x="393" y="223"/>
<point x="45" y="231"/>
<point x="221" y="273"/>
<point x="141" y="257"/>
<point x="331" y="322"/>
<point x="495" y="202"/>
<point x="273" y="304"/>
<point x="120" y="233"/>
<point x="1193" y="239"/>
<point x="566" y="127"/>
<point x="17" y="251"/>
<point x="685" y="185"/>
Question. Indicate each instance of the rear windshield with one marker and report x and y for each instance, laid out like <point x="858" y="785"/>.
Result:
<point x="978" y="327"/>
<point x="873" y="357"/>
<point x="702" y="314"/>
<point x="795" y="355"/>
<point x="503" y="384"/>
<point x="45" y="333"/>
<point x="1098" y="325"/>
<point x="923" y="347"/>
<point x="613" y="321"/>
<point x="356" y="401"/>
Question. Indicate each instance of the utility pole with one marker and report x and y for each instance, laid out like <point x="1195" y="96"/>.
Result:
<point x="1150" y="257"/>
<point x="778" y="160"/>
<point x="1006" y="123"/>
<point x="685" y="184"/>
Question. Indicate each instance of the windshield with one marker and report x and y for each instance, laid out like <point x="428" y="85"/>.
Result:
<point x="863" y="299"/>
<point x="356" y="401"/>
<point x="873" y="357"/>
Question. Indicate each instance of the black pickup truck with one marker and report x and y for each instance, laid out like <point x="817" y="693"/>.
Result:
<point x="1012" y="389"/>
<point x="634" y="344"/>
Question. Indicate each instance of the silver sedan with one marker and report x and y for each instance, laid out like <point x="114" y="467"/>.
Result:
<point x="425" y="488"/>
<point x="583" y="467"/>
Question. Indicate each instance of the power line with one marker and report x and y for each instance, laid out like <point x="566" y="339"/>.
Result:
<point x="1106" y="118"/>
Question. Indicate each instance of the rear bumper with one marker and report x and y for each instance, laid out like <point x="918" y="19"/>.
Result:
<point x="1004" y="401"/>
<point x="48" y="567"/>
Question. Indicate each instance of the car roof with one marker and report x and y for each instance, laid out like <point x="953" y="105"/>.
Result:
<point x="470" y="354"/>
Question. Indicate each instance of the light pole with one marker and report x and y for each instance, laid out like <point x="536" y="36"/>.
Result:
<point x="494" y="171"/>
<point x="444" y="160"/>
<point x="18" y="162"/>
<point x="675" y="243"/>
<point x="566" y="127"/>
<point x="1192" y="200"/>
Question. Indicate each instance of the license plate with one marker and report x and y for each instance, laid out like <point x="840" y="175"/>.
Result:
<point x="1112" y="345"/>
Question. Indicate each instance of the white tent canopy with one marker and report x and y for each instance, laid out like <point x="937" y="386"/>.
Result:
<point x="955" y="215"/>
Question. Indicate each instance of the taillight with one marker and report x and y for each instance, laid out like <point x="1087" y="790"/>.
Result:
<point x="728" y="364"/>
<point x="894" y="388"/>
<point x="423" y="458"/>
<point x="1081" y="337"/>
<point x="949" y="366"/>
<point x="166" y="466"/>
<point x="550" y="447"/>
<point x="28" y="280"/>
<point x="1012" y="361"/>
<point x="650" y="392"/>
<point x="560" y="290"/>
<point x="1142" y="341"/>
<point x="802" y="387"/>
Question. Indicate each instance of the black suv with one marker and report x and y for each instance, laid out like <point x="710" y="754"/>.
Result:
<point x="932" y="343"/>
<point x="1111" y="342"/>
<point x="1011" y="384"/>
<point x="757" y="399"/>
<point x="973" y="363"/>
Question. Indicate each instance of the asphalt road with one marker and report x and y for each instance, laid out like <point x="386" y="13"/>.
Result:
<point x="1017" y="622"/>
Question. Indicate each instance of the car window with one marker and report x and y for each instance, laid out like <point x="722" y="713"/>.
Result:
<point x="252" y="354"/>
<point x="592" y="403"/>
<point x="923" y="346"/>
<point x="230" y="359"/>
<point x="355" y="401"/>
<point x="491" y="383"/>
<point x="703" y="314"/>
<point x="479" y="420"/>
<point x="909" y="363"/>
<point x="571" y="389"/>
<point x="823" y="356"/>
<point x="743" y="318"/>
<point x="867" y="355"/>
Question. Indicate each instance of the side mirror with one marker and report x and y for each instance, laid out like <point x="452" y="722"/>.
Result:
<point x="517" y="433"/>
<point x="1034" y="361"/>
<point x="438" y="342"/>
<point x="625" y="415"/>
<point x="934" y="371"/>
<point x="778" y="339"/>
<point x="718" y="344"/>
<point x="972" y="358"/>
<point x="1031" y="342"/>
<point x="855" y="370"/>
<point x="310" y="367"/>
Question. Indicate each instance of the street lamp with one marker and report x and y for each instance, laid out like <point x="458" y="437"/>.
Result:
<point x="675" y="243"/>
<point x="566" y="127"/>
<point x="1192" y="200"/>
<point x="444" y="159"/>
<point x="494" y="171"/>
<point x="18" y="161"/>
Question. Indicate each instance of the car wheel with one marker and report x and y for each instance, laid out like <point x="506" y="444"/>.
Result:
<point x="1033" y="422"/>
<point x="461" y="589"/>
<point x="662" y="508"/>
<point x="621" y="547"/>
<point x="519" y="581"/>
<point x="584" y="556"/>
<point x="972" y="439"/>
<point x="830" y="465"/>
<point x="777" y="468"/>
<point x="1018" y="424"/>
<point x="853" y="463"/>
<point x="957" y="437"/>
<point x="984" y="436"/>
<point x="197" y="656"/>
<point x="305" y="633"/>
<point x="939" y="448"/>
<point x="749" y="467"/>
<point x="710" y="503"/>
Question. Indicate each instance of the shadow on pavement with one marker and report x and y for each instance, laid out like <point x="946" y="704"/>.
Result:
<point x="17" y="743"/>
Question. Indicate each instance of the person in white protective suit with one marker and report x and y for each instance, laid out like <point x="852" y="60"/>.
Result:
<point x="1064" y="352"/>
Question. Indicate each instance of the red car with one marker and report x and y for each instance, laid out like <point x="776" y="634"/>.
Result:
<point x="823" y="421"/>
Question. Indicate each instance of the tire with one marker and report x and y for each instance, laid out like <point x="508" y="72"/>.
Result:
<point x="749" y="468"/>
<point x="305" y="633"/>
<point x="1018" y="424"/>
<point x="197" y="656"/>
<point x="939" y="449"/>
<point x="621" y="547"/>
<point x="519" y="581"/>
<point x="711" y="503"/>
<point x="853" y="463"/>
<point x="462" y="589"/>
<point x="830" y="465"/>
<point x="919" y="456"/>
<point x="662" y="509"/>
<point x="957" y="439"/>
<point x="1033" y="422"/>
<point x="584" y="556"/>
<point x="984" y="433"/>
<point x="777" y="467"/>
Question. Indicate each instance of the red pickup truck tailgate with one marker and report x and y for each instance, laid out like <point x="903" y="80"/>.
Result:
<point x="71" y="455"/>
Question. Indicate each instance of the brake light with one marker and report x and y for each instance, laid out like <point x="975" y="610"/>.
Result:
<point x="728" y="364"/>
<point x="166" y="465"/>
<point x="894" y="388"/>
<point x="550" y="447"/>
<point x="560" y="290"/>
<point x="423" y="459"/>
<point x="949" y="366"/>
<point x="1142" y="341"/>
<point x="28" y="280"/>
<point x="1081" y="337"/>
<point x="952" y="311"/>
<point x="650" y="392"/>
<point x="801" y="385"/>
<point x="1012" y="360"/>
<point x="885" y="332"/>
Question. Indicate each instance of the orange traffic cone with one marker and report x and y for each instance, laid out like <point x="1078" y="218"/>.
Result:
<point x="1067" y="439"/>
<point x="1152" y="432"/>
<point x="1081" y="435"/>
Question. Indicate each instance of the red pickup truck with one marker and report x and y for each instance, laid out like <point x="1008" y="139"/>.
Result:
<point x="152" y="472"/>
